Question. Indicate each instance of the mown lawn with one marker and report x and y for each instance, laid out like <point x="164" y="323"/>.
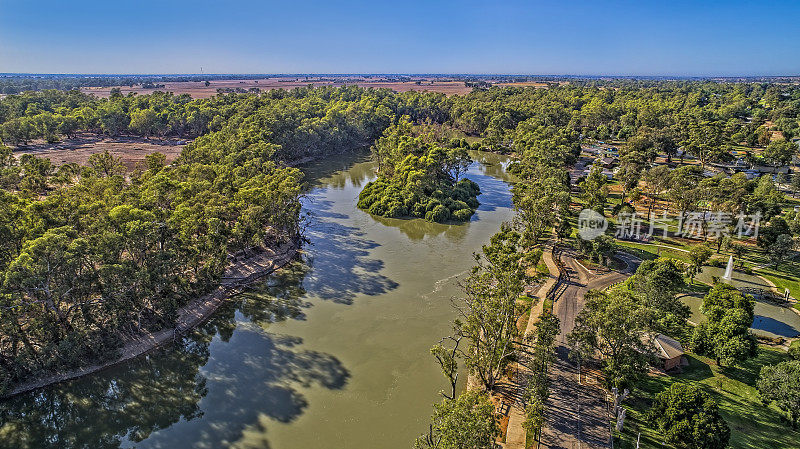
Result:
<point x="648" y="252"/>
<point x="787" y="275"/>
<point x="753" y="425"/>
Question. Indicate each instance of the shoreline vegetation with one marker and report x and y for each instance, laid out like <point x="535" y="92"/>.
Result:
<point x="239" y="275"/>
<point x="419" y="176"/>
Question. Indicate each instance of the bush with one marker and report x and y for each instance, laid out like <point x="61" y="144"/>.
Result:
<point x="439" y="214"/>
<point x="377" y="208"/>
<point x="463" y="214"/>
<point x="396" y="209"/>
<point x="431" y="205"/>
<point x="718" y="263"/>
<point x="794" y="350"/>
<point x="418" y="210"/>
<point x="457" y="205"/>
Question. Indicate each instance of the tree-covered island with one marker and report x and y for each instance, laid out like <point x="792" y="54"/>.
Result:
<point x="420" y="176"/>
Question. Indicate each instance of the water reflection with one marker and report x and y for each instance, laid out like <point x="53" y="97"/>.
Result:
<point x="261" y="379"/>
<point x="418" y="229"/>
<point x="129" y="404"/>
<point x="491" y="164"/>
<point x="149" y="394"/>
<point x="355" y="167"/>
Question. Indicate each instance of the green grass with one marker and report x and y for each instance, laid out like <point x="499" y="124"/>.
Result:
<point x="752" y="424"/>
<point x="697" y="287"/>
<point x="647" y="251"/>
<point x="526" y="304"/>
<point x="786" y="276"/>
<point x="541" y="267"/>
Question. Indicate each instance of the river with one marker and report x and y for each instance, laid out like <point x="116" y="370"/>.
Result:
<point x="330" y="353"/>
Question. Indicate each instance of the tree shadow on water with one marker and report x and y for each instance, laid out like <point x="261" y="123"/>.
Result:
<point x="774" y="326"/>
<point x="125" y="403"/>
<point x="342" y="266"/>
<point x="258" y="383"/>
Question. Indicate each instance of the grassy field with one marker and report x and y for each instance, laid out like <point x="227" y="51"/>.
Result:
<point x="647" y="251"/>
<point x="787" y="275"/>
<point x="752" y="424"/>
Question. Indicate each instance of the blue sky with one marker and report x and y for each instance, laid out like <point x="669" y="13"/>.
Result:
<point x="643" y="37"/>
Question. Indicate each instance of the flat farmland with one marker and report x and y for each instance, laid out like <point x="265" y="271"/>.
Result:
<point x="198" y="89"/>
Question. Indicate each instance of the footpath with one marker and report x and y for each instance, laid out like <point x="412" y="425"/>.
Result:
<point x="515" y="433"/>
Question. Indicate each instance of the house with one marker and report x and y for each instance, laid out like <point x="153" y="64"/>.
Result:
<point x="607" y="162"/>
<point x="668" y="351"/>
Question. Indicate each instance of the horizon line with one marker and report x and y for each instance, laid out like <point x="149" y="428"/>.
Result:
<point x="463" y="74"/>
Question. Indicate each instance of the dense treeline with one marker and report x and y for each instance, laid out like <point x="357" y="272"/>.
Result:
<point x="706" y="116"/>
<point x="111" y="255"/>
<point x="14" y="84"/>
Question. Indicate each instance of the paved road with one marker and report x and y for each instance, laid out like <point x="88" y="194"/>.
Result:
<point x="576" y="410"/>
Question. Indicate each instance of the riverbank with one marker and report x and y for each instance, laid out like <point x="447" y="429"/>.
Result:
<point x="237" y="277"/>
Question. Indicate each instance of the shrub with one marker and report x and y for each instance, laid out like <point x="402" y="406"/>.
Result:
<point x="457" y="205"/>
<point x="432" y="203"/>
<point x="794" y="350"/>
<point x="439" y="214"/>
<point x="396" y="209"/>
<point x="377" y="208"/>
<point x="463" y="214"/>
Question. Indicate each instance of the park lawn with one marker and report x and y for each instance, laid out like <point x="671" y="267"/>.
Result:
<point x="548" y="305"/>
<point x="648" y="252"/>
<point x="541" y="268"/>
<point x="753" y="425"/>
<point x="526" y="304"/>
<point x="787" y="276"/>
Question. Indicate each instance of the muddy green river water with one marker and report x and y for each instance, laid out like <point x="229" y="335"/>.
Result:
<point x="332" y="353"/>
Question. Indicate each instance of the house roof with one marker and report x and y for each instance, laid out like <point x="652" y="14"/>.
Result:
<point x="667" y="348"/>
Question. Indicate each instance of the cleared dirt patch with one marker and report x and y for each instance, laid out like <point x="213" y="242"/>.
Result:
<point x="131" y="150"/>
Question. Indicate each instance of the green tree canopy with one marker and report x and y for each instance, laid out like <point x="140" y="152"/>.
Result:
<point x="688" y="418"/>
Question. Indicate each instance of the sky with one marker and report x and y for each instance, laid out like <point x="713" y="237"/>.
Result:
<point x="567" y="37"/>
